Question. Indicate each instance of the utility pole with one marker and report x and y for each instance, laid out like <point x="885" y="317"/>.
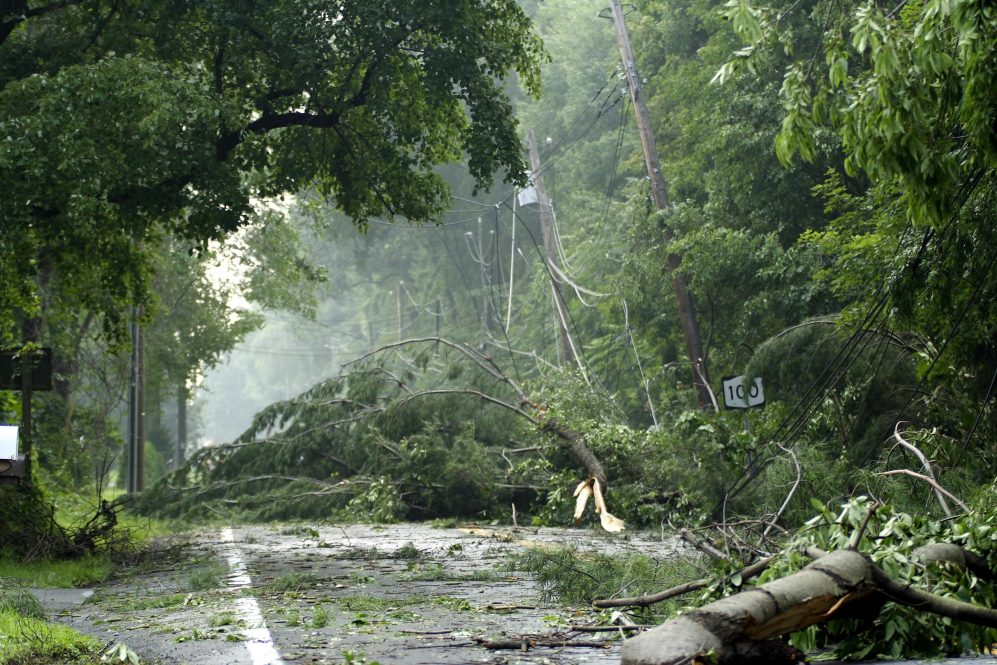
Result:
<point x="181" y="451"/>
<point x="486" y="303"/>
<point x="687" y="313"/>
<point x="134" y="457"/>
<point x="550" y="249"/>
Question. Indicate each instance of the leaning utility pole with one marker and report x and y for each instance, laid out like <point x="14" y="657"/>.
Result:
<point x="550" y="249"/>
<point x="687" y="314"/>
<point x="134" y="457"/>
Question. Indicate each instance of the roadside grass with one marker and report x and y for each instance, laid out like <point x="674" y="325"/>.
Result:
<point x="31" y="641"/>
<point x="20" y="601"/>
<point x="73" y="508"/>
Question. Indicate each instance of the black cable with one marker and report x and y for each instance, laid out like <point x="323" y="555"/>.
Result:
<point x="979" y="415"/>
<point x="972" y="300"/>
<point x="804" y="409"/>
<point x="879" y="305"/>
<point x="456" y="262"/>
<point x="584" y="110"/>
<point x="817" y="390"/>
<point x="571" y="321"/>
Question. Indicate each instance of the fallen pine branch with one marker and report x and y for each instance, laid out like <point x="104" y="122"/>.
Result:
<point x="577" y="446"/>
<point x="939" y="490"/>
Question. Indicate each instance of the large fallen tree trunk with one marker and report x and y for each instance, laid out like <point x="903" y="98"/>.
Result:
<point x="740" y="628"/>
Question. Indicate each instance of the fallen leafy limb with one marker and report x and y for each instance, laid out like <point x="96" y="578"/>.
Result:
<point x="745" y="573"/>
<point x="317" y="450"/>
<point x="740" y="628"/>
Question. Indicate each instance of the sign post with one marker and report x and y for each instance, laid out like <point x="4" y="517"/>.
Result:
<point x="739" y="396"/>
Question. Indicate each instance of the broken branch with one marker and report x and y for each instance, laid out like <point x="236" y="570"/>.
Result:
<point x="702" y="545"/>
<point x="939" y="493"/>
<point x="931" y="481"/>
<point x="789" y="497"/>
<point x="746" y="573"/>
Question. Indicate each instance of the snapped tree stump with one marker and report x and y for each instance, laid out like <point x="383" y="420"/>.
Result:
<point x="741" y="628"/>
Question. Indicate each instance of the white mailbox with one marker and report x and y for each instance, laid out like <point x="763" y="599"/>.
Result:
<point x="8" y="442"/>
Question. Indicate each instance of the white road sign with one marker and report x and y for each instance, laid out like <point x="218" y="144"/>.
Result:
<point x="8" y="441"/>
<point x="739" y="396"/>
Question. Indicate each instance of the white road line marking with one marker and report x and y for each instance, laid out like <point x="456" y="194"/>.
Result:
<point x="260" y="643"/>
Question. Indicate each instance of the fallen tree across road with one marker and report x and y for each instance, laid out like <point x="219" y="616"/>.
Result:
<point x="741" y="628"/>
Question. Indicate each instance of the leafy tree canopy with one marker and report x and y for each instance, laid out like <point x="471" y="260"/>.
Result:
<point x="908" y="90"/>
<point x="122" y="120"/>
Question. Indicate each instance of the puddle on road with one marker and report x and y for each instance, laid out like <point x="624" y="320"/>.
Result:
<point x="402" y="594"/>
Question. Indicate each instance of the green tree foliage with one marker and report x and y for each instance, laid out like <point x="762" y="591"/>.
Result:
<point x="904" y="92"/>
<point x="891" y="538"/>
<point x="738" y="212"/>
<point x="120" y="120"/>
<point x="137" y="136"/>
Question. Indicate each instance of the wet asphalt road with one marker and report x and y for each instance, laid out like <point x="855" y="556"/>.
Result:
<point x="407" y="594"/>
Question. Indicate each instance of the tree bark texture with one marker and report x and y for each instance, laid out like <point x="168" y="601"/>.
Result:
<point x="739" y="628"/>
<point x="579" y="450"/>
